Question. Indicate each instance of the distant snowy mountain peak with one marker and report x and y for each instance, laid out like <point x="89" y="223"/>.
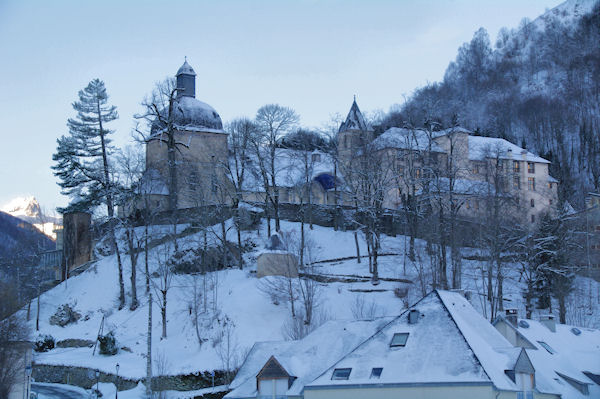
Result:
<point x="23" y="206"/>
<point x="29" y="210"/>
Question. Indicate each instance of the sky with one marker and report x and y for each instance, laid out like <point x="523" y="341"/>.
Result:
<point x="310" y="55"/>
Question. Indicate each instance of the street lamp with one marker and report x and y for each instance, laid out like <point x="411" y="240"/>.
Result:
<point x="117" y="391"/>
<point x="28" y="374"/>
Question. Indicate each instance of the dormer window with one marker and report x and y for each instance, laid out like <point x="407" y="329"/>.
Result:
<point x="341" y="374"/>
<point x="376" y="373"/>
<point x="399" y="340"/>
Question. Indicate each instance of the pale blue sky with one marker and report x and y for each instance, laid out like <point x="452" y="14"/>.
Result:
<point x="309" y="55"/>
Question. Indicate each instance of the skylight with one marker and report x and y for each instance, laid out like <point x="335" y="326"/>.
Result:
<point x="341" y="374"/>
<point x="523" y="323"/>
<point x="547" y="347"/>
<point x="376" y="372"/>
<point x="399" y="339"/>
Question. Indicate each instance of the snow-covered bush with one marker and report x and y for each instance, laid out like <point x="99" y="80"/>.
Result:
<point x="44" y="343"/>
<point x="108" y="344"/>
<point x="65" y="314"/>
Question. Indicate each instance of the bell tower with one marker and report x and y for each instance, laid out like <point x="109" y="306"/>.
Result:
<point x="352" y="134"/>
<point x="186" y="81"/>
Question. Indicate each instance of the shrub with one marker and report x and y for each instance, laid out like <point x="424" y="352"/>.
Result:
<point x="44" y="343"/>
<point x="108" y="344"/>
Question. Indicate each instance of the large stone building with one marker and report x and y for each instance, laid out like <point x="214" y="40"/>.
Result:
<point x="408" y="163"/>
<point x="200" y="150"/>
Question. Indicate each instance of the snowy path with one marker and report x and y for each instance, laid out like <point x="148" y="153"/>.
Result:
<point x="57" y="391"/>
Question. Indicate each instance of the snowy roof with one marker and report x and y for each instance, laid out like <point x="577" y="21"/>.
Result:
<point x="576" y="350"/>
<point x="186" y="69"/>
<point x="481" y="148"/>
<point x="405" y="139"/>
<point x="306" y="358"/>
<point x="354" y="120"/>
<point x="461" y="186"/>
<point x="290" y="169"/>
<point x="192" y="114"/>
<point x="444" y="346"/>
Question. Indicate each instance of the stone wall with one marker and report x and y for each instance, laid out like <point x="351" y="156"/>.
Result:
<point x="86" y="378"/>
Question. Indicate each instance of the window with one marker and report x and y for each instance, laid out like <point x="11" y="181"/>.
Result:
<point x="532" y="218"/>
<point x="316" y="157"/>
<point x="418" y="173"/>
<point x="530" y="167"/>
<point x="547" y="347"/>
<point x="531" y="183"/>
<point x="468" y="204"/>
<point x="475" y="168"/>
<point x="341" y="374"/>
<point x="525" y="395"/>
<point x="516" y="166"/>
<point x="532" y="202"/>
<point x="476" y="203"/>
<point x="399" y="339"/>
<point x="550" y="201"/>
<point x="376" y="372"/>
<point x="516" y="182"/>
<point x="550" y="186"/>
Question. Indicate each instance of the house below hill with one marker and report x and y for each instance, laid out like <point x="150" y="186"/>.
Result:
<point x="440" y="348"/>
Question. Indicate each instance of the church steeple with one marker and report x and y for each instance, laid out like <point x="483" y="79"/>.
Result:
<point x="186" y="80"/>
<point x="354" y="120"/>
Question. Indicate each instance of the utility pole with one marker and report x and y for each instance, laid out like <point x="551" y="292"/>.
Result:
<point x="149" y="354"/>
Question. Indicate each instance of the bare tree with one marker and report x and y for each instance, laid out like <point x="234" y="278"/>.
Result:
<point x="162" y="283"/>
<point x="13" y="332"/>
<point x="273" y="122"/>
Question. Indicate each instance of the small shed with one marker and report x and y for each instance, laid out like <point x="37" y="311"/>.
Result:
<point x="276" y="260"/>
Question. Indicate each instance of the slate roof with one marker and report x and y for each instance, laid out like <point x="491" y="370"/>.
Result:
<point x="354" y="120"/>
<point x="573" y="356"/>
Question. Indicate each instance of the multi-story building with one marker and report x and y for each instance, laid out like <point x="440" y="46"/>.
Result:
<point x="398" y="166"/>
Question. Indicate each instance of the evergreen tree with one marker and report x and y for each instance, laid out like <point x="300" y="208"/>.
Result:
<point x="553" y="243"/>
<point x="83" y="159"/>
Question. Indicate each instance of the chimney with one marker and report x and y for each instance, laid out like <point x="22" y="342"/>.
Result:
<point x="511" y="316"/>
<point x="413" y="316"/>
<point x="549" y="321"/>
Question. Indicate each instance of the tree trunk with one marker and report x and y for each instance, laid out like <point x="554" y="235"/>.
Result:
<point x="562" y="309"/>
<point x="357" y="247"/>
<point x="163" y="314"/>
<point x="149" y="350"/>
<point x="120" y="267"/>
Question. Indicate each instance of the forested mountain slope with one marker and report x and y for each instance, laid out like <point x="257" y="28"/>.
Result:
<point x="537" y="86"/>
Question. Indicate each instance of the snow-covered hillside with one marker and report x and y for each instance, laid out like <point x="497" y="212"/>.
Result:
<point x="237" y="299"/>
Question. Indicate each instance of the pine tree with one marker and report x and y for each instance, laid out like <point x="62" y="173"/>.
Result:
<point x="83" y="160"/>
<point x="553" y="243"/>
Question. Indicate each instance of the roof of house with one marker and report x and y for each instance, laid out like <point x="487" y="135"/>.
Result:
<point x="575" y="350"/>
<point x="406" y="139"/>
<point x="481" y="148"/>
<point x="290" y="168"/>
<point x="449" y="344"/>
<point x="306" y="358"/>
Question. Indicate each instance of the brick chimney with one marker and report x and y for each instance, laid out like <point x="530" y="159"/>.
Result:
<point x="511" y="316"/>
<point x="549" y="321"/>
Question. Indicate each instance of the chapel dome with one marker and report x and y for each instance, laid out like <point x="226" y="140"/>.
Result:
<point x="191" y="114"/>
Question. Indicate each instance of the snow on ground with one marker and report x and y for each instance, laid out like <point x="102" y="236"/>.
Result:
<point x="240" y="300"/>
